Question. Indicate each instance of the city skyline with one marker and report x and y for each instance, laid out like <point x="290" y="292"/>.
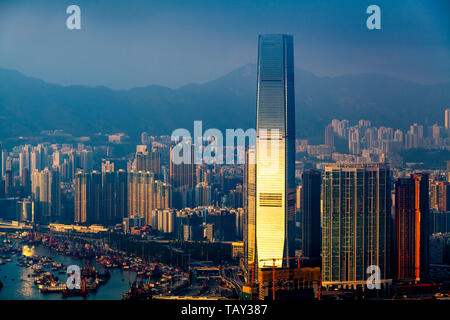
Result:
<point x="343" y="194"/>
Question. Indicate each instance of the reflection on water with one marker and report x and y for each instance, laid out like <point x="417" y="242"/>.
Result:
<point x="27" y="251"/>
<point x="25" y="284"/>
<point x="18" y="282"/>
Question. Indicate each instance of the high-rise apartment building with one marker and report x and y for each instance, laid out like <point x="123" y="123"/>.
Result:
<point x="82" y="197"/>
<point x="182" y="174"/>
<point x="356" y="223"/>
<point x="329" y="136"/>
<point x="411" y="233"/>
<point x="149" y="161"/>
<point x="440" y="196"/>
<point x="46" y="188"/>
<point x="88" y="197"/>
<point x="146" y="194"/>
<point x="140" y="195"/>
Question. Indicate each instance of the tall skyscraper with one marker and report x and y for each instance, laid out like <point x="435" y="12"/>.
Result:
<point x="88" y="197"/>
<point x="356" y="223"/>
<point x="162" y="195"/>
<point x="108" y="196"/>
<point x="9" y="183"/>
<point x="146" y="194"/>
<point x="96" y="188"/>
<point x="141" y="195"/>
<point x="411" y="234"/>
<point x="149" y="161"/>
<point x="121" y="195"/>
<point x="440" y="196"/>
<point x="87" y="160"/>
<point x="182" y="174"/>
<point x="4" y="157"/>
<point x="329" y="136"/>
<point x="82" y="197"/>
<point x="49" y="194"/>
<point x="35" y="160"/>
<point x="56" y="159"/>
<point x="24" y="161"/>
<point x="311" y="231"/>
<point x="275" y="150"/>
<point x="447" y="121"/>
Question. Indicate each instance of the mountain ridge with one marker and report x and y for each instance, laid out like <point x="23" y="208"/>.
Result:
<point x="29" y="105"/>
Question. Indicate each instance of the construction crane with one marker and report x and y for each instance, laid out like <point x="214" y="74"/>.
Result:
<point x="273" y="270"/>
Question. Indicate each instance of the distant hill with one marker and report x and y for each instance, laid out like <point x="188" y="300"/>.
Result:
<point x="29" y="105"/>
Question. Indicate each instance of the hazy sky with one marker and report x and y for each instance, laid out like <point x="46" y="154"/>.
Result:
<point x="130" y="43"/>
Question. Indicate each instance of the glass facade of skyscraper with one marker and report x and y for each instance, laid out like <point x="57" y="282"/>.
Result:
<point x="275" y="150"/>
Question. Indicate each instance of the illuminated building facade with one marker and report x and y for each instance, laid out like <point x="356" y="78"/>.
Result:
<point x="411" y="228"/>
<point x="275" y="150"/>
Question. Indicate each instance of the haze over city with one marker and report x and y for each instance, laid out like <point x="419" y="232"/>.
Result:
<point x="173" y="43"/>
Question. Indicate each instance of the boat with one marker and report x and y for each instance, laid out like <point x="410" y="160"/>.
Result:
<point x="53" y="288"/>
<point x="76" y="292"/>
<point x="138" y="292"/>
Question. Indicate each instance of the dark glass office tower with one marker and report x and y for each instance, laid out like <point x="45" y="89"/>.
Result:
<point x="121" y="195"/>
<point x="108" y="196"/>
<point x="311" y="232"/>
<point x="411" y="235"/>
<point x="275" y="150"/>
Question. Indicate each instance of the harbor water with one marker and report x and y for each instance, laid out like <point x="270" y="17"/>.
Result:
<point x="18" y="282"/>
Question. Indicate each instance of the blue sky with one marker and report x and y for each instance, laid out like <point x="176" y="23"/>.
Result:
<point x="124" y="44"/>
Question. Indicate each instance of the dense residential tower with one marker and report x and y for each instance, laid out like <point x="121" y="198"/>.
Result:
<point x="182" y="174"/>
<point x="82" y="197"/>
<point x="440" y="196"/>
<point x="49" y="194"/>
<point x="141" y="195"/>
<point x="356" y="223"/>
<point x="411" y="234"/>
<point x="275" y="150"/>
